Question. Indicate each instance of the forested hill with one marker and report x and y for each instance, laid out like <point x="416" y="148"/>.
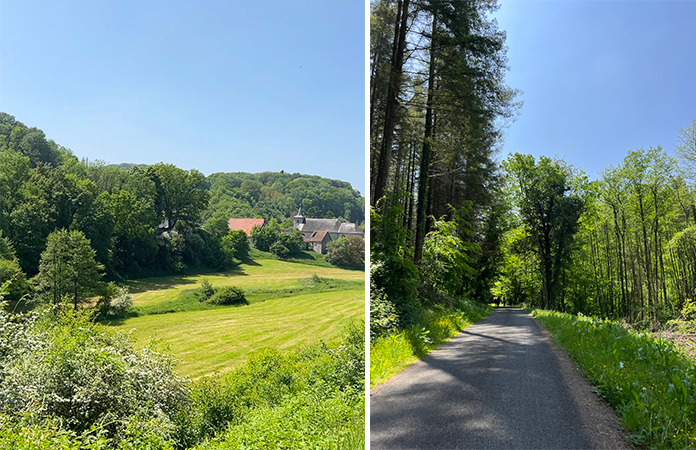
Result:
<point x="139" y="217"/>
<point x="278" y="195"/>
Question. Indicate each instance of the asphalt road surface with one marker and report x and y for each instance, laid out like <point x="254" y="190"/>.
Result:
<point x="500" y="384"/>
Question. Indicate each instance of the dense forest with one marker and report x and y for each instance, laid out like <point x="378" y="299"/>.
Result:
<point x="449" y="221"/>
<point x="132" y="220"/>
<point x="438" y="107"/>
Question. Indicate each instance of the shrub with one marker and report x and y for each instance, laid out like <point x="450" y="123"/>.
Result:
<point x="346" y="252"/>
<point x="383" y="316"/>
<point x="116" y="302"/>
<point x="59" y="365"/>
<point x="228" y="295"/>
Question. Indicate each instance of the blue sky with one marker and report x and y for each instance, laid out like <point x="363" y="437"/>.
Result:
<point x="219" y="86"/>
<point x="600" y="78"/>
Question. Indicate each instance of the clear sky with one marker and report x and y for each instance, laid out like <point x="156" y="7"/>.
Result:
<point x="600" y="78"/>
<point x="219" y="86"/>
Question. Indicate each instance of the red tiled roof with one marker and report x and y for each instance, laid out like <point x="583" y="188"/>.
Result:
<point x="244" y="224"/>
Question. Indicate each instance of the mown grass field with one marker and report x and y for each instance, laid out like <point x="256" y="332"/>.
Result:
<point x="222" y="337"/>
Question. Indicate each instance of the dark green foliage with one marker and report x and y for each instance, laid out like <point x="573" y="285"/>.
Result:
<point x="181" y="194"/>
<point x="292" y="241"/>
<point x="264" y="237"/>
<point x="68" y="269"/>
<point x="116" y="302"/>
<point x="228" y="295"/>
<point x="550" y="204"/>
<point x="279" y="250"/>
<point x="393" y="272"/>
<point x="346" y="252"/>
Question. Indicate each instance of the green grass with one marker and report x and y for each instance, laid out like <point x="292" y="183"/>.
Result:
<point x="217" y="339"/>
<point x="187" y="301"/>
<point x="391" y="354"/>
<point x="262" y="274"/>
<point x="650" y="382"/>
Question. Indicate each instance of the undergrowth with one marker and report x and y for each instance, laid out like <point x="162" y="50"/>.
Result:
<point x="66" y="383"/>
<point x="391" y="353"/>
<point x="650" y="382"/>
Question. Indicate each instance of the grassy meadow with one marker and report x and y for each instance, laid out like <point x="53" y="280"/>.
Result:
<point x="290" y="305"/>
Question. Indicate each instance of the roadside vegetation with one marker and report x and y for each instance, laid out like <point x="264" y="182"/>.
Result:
<point x="650" y="382"/>
<point x="392" y="352"/>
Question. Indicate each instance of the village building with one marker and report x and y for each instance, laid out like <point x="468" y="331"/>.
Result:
<point x="317" y="233"/>
<point x="245" y="225"/>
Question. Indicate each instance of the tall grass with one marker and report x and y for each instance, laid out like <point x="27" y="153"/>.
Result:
<point x="650" y="382"/>
<point x="390" y="354"/>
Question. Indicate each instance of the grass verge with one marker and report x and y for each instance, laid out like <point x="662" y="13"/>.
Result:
<point x="650" y="382"/>
<point x="391" y="354"/>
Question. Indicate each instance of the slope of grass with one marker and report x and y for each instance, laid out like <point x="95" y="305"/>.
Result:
<point x="650" y="382"/>
<point x="187" y="300"/>
<point x="391" y="354"/>
<point x="218" y="339"/>
<point x="256" y="275"/>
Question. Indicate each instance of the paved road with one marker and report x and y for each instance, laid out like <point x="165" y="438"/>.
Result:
<point x="500" y="384"/>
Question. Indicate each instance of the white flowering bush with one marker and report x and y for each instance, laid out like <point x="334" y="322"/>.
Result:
<point x="60" y="366"/>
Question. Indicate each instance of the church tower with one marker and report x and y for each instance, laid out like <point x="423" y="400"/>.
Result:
<point x="299" y="219"/>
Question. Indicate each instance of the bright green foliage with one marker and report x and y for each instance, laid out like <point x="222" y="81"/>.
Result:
<point x="68" y="269"/>
<point x="650" y="382"/>
<point x="258" y="399"/>
<point x="274" y="195"/>
<point x="445" y="267"/>
<point x="217" y="225"/>
<point x="60" y="366"/>
<point x="391" y="353"/>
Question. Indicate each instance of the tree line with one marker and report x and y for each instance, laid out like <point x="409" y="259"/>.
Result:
<point x="622" y="246"/>
<point x="438" y="106"/>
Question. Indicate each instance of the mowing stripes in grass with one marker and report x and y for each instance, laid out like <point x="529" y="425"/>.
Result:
<point x="390" y="354"/>
<point x="650" y="382"/>
<point x="221" y="338"/>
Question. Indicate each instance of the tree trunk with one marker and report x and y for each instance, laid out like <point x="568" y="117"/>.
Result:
<point x="424" y="172"/>
<point x="392" y="103"/>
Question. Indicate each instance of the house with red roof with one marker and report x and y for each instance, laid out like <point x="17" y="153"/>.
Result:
<point x="245" y="224"/>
